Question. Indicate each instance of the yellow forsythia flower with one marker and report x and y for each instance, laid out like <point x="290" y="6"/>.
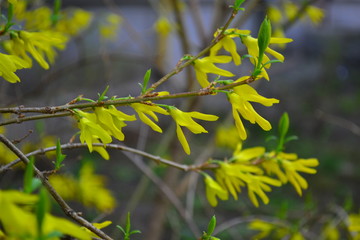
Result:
<point x="253" y="50"/>
<point x="286" y="166"/>
<point x="315" y="14"/>
<point x="228" y="43"/>
<point x="73" y="22"/>
<point x="19" y="220"/>
<point x="92" y="191"/>
<point x="65" y="185"/>
<point x="8" y="66"/>
<point x="214" y="190"/>
<point x="98" y="226"/>
<point x="227" y="136"/>
<point x="354" y="225"/>
<point x="240" y="100"/>
<point x="276" y="230"/>
<point x="163" y="26"/>
<point x="206" y="65"/>
<point x="274" y="14"/>
<point x="40" y="45"/>
<point x="144" y="109"/>
<point x="185" y="119"/>
<point x="89" y="189"/>
<point x="110" y="27"/>
<point x="112" y="120"/>
<point x="330" y="232"/>
<point x="90" y="131"/>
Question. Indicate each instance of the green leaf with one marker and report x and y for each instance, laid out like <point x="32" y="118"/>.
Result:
<point x="59" y="156"/>
<point x="237" y="5"/>
<point x="135" y="231"/>
<point x="264" y="36"/>
<point x="272" y="61"/>
<point x="271" y="138"/>
<point x="146" y="81"/>
<point x="211" y="225"/>
<point x="121" y="229"/>
<point x="291" y="138"/>
<point x="284" y="125"/>
<point x="42" y="208"/>
<point x="28" y="176"/>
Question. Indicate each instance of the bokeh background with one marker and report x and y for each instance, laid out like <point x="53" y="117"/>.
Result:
<point x="317" y="85"/>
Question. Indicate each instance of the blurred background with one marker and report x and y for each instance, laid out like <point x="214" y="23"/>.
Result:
<point x="317" y="85"/>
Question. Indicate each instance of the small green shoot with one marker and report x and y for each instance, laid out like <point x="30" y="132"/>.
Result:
<point x="237" y="5"/>
<point x="59" y="156"/>
<point x="145" y="82"/>
<point x="103" y="96"/>
<point x="30" y="183"/>
<point x="210" y="230"/>
<point x="127" y="231"/>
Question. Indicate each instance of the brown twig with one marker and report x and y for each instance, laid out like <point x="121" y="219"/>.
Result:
<point x="65" y="207"/>
<point x="156" y="159"/>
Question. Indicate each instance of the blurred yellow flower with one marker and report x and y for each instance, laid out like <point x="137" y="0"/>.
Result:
<point x="8" y="66"/>
<point x="147" y="108"/>
<point x="276" y="230"/>
<point x="89" y="189"/>
<point x="274" y="14"/>
<point x="315" y="14"/>
<point x="227" y="136"/>
<point x="206" y="65"/>
<point x="92" y="191"/>
<point x="73" y="21"/>
<point x="110" y="27"/>
<point x="20" y="222"/>
<point x="163" y="27"/>
<point x="185" y="119"/>
<point x="40" y="45"/>
<point x="228" y="43"/>
<point x="214" y="190"/>
<point x="240" y="100"/>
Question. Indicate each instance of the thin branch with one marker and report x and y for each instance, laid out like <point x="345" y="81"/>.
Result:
<point x="65" y="207"/>
<point x="168" y="192"/>
<point x="53" y="112"/>
<point x="156" y="159"/>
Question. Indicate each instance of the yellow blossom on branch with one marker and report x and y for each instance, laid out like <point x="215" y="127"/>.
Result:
<point x="113" y="120"/>
<point x="206" y="65"/>
<point x="286" y="166"/>
<point x="40" y="45"/>
<point x="240" y="100"/>
<point x="185" y="119"/>
<point x="228" y="43"/>
<point x="8" y="66"/>
<point x="90" y="131"/>
<point x="253" y="50"/>
<point x="214" y="190"/>
<point x="147" y="108"/>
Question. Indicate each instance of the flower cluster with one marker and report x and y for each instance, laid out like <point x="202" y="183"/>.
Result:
<point x="254" y="168"/>
<point x="20" y="220"/>
<point x="83" y="188"/>
<point x="43" y="32"/>
<point x="287" y="11"/>
<point x="100" y="126"/>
